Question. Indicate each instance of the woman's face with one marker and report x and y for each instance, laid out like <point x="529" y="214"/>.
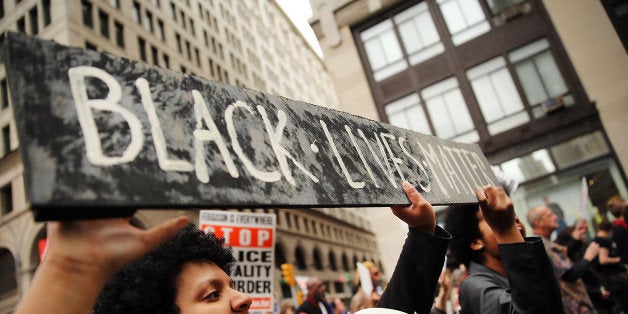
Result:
<point x="203" y="287"/>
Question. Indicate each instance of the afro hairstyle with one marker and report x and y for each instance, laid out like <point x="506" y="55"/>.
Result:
<point x="461" y="221"/>
<point x="149" y="285"/>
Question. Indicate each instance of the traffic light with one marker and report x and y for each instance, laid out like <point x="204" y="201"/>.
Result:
<point x="287" y="273"/>
<point x="299" y="297"/>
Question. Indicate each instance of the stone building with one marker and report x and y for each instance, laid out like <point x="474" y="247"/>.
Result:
<point x="249" y="43"/>
<point x="539" y="85"/>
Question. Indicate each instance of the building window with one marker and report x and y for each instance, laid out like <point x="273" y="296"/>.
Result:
<point x="418" y="36"/>
<point x="464" y="18"/>
<point x="32" y="15"/>
<point x="119" y="29"/>
<point x="21" y="25"/>
<point x="86" y="9"/>
<point x="149" y="22"/>
<point x="178" y="39"/>
<point x="579" y="150"/>
<point x="160" y="30"/>
<point x="137" y="13"/>
<point x="142" y="47"/>
<point x="173" y="11"/>
<point x="540" y="77"/>
<point x="166" y="61"/>
<point x="4" y="97"/>
<point x="104" y="23"/>
<point x="46" y="7"/>
<point x="6" y="140"/>
<point x="90" y="46"/>
<point x="448" y="112"/>
<point x="154" y="55"/>
<point x="1" y="8"/>
<point x="115" y="3"/>
<point x="530" y="166"/>
<point x="6" y="199"/>
<point x="497" y="96"/>
<point x="408" y="113"/>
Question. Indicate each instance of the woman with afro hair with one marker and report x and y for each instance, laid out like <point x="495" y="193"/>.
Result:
<point x="506" y="274"/>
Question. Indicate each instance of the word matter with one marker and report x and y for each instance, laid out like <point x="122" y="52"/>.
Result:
<point x="100" y="134"/>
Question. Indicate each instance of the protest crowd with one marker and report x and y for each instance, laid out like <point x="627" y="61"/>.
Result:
<point x="492" y="266"/>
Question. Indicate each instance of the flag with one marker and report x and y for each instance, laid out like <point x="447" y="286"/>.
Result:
<point x="584" y="196"/>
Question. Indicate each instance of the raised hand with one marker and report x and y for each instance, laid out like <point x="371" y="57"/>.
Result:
<point x="499" y="212"/>
<point x="419" y="214"/>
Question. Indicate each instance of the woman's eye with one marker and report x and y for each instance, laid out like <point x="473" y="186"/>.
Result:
<point x="212" y="296"/>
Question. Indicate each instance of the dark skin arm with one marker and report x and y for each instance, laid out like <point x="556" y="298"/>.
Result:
<point x="499" y="212"/>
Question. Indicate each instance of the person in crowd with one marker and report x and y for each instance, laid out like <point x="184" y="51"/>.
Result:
<point x="315" y="302"/>
<point x="610" y="268"/>
<point x="618" y="208"/>
<point x="574" y="294"/>
<point x="573" y="239"/>
<point x="360" y="299"/>
<point x="506" y="273"/>
<point x="338" y="306"/>
<point x="556" y="209"/>
<point x="286" y="307"/>
<point x="83" y="256"/>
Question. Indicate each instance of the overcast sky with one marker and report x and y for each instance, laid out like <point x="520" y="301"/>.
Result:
<point x="299" y="11"/>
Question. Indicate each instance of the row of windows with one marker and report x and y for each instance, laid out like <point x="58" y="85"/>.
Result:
<point x="87" y="10"/>
<point x="318" y="258"/>
<point x="38" y="15"/>
<point x="411" y="37"/>
<point x="334" y="233"/>
<point x="511" y="90"/>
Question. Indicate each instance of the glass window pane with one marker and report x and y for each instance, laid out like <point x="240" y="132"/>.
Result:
<point x="552" y="79"/>
<point x="580" y="149"/>
<point x="410" y="37"/>
<point x="487" y="99"/>
<point x="453" y="16"/>
<point x="461" y="120"/>
<point x="506" y="91"/>
<point x="426" y="28"/>
<point x="391" y="46"/>
<point x="530" y="166"/>
<point x="375" y="54"/>
<point x="408" y="113"/>
<point x="472" y="11"/>
<point x="531" y="82"/>
<point x="440" y="117"/>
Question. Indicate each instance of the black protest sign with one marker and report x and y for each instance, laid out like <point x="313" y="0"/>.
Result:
<point x="100" y="135"/>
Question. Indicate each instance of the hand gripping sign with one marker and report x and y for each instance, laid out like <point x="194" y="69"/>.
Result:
<point x="100" y="135"/>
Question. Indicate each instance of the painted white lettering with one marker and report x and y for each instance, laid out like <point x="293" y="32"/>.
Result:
<point x="425" y="185"/>
<point x="432" y="158"/>
<point x="282" y="154"/>
<point x="84" y="107"/>
<point x="211" y="134"/>
<point x="227" y="233"/>
<point x="366" y="165"/>
<point x="449" y="169"/>
<point x="386" y="170"/>
<point x="248" y="164"/>
<point x="483" y="169"/>
<point x="353" y="184"/>
<point x="459" y="173"/>
<point x="159" y="140"/>
<point x="461" y="152"/>
<point x="396" y="160"/>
